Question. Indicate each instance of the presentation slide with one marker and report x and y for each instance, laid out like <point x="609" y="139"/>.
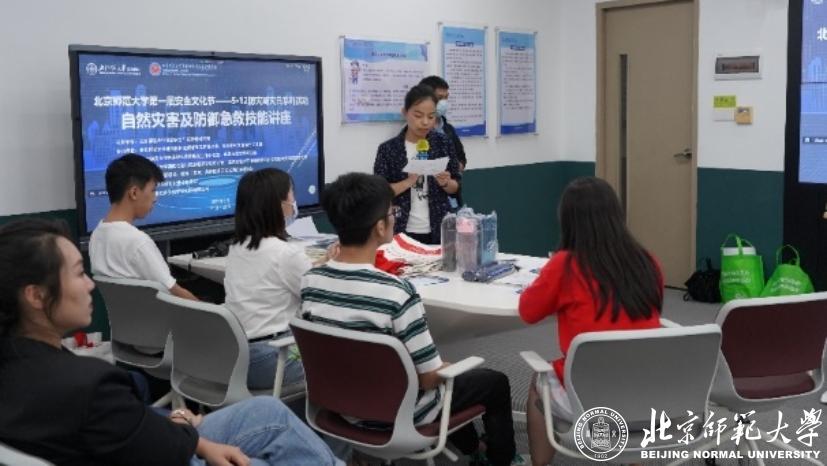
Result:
<point x="813" y="143"/>
<point x="204" y="121"/>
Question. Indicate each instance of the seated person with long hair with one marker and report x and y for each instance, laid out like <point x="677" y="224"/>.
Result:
<point x="600" y="278"/>
<point x="73" y="410"/>
<point x="264" y="271"/>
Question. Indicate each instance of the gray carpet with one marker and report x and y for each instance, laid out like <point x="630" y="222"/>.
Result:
<point x="501" y="352"/>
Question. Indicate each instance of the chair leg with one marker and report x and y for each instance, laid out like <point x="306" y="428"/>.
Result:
<point x="450" y="454"/>
<point x="172" y="399"/>
<point x="707" y="446"/>
<point x="278" y="380"/>
<point x="751" y="445"/>
<point x="161" y="402"/>
<point x="679" y="461"/>
<point x="784" y="446"/>
<point x="164" y="400"/>
<point x="177" y="401"/>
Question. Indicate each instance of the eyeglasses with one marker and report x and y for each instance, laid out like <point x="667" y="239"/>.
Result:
<point x="396" y="212"/>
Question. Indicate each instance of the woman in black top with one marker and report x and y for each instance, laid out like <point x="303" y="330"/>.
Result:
<point x="423" y="199"/>
<point x="73" y="410"/>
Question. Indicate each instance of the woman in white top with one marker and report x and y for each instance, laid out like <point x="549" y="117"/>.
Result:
<point x="264" y="271"/>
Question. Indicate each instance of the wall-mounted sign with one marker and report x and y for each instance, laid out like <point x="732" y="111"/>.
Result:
<point x="738" y="67"/>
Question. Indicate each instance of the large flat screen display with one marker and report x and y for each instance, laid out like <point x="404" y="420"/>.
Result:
<point x="204" y="118"/>
<point x="812" y="166"/>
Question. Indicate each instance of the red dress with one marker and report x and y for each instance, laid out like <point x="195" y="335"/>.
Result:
<point x="562" y="289"/>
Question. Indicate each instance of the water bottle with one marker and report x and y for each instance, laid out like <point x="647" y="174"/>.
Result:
<point x="490" y="246"/>
<point x="468" y="243"/>
<point x="449" y="243"/>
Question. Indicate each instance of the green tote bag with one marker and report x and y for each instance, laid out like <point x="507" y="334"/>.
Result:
<point x="788" y="278"/>
<point x="742" y="270"/>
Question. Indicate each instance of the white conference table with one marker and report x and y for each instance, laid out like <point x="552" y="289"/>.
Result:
<point x="456" y="310"/>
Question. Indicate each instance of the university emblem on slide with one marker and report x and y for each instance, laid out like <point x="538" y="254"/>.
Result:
<point x="601" y="434"/>
<point x="154" y="69"/>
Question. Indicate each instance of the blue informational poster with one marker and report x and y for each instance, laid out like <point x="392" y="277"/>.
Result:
<point x="517" y="63"/>
<point x="204" y="121"/>
<point x="463" y="67"/>
<point x="376" y="75"/>
<point x="813" y="142"/>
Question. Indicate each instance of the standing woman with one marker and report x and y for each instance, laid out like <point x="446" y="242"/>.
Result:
<point x="423" y="199"/>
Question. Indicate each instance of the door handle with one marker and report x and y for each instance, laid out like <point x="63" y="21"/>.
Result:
<point x="686" y="154"/>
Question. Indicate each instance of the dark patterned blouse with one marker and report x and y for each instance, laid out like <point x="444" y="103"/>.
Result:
<point x="391" y="158"/>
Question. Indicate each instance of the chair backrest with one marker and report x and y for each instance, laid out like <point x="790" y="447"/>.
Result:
<point x="135" y="318"/>
<point x="774" y="336"/>
<point x="364" y="375"/>
<point x="635" y="371"/>
<point x="211" y="356"/>
<point x="10" y="456"/>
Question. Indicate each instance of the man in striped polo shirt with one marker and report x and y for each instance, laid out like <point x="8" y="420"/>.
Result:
<point x="350" y="292"/>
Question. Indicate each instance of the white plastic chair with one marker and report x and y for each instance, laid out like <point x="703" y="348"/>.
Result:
<point x="11" y="456"/>
<point x="139" y="328"/>
<point x="632" y="372"/>
<point x="211" y="358"/>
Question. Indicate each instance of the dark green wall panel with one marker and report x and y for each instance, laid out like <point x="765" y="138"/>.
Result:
<point x="525" y="198"/>
<point x="747" y="202"/>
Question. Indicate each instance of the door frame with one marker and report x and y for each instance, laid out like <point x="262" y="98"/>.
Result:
<point x="601" y="9"/>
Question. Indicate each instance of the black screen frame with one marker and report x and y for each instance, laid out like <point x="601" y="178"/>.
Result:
<point x="792" y="150"/>
<point x="804" y="203"/>
<point x="185" y="228"/>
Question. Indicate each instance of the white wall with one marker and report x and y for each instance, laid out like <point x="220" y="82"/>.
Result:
<point x="35" y="129"/>
<point x="726" y="26"/>
<point x="739" y="26"/>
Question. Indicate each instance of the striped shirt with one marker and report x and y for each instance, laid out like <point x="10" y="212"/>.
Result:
<point x="362" y="297"/>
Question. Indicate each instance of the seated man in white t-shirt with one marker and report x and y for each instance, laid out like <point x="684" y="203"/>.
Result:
<point x="117" y="249"/>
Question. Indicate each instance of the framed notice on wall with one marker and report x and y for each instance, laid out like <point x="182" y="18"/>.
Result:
<point x="517" y="86"/>
<point x="463" y="66"/>
<point x="376" y="75"/>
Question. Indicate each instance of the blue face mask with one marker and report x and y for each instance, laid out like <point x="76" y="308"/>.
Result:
<point x="442" y="107"/>
<point x="292" y="218"/>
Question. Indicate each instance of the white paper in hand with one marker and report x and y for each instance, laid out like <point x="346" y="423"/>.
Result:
<point x="303" y="227"/>
<point x="426" y="167"/>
